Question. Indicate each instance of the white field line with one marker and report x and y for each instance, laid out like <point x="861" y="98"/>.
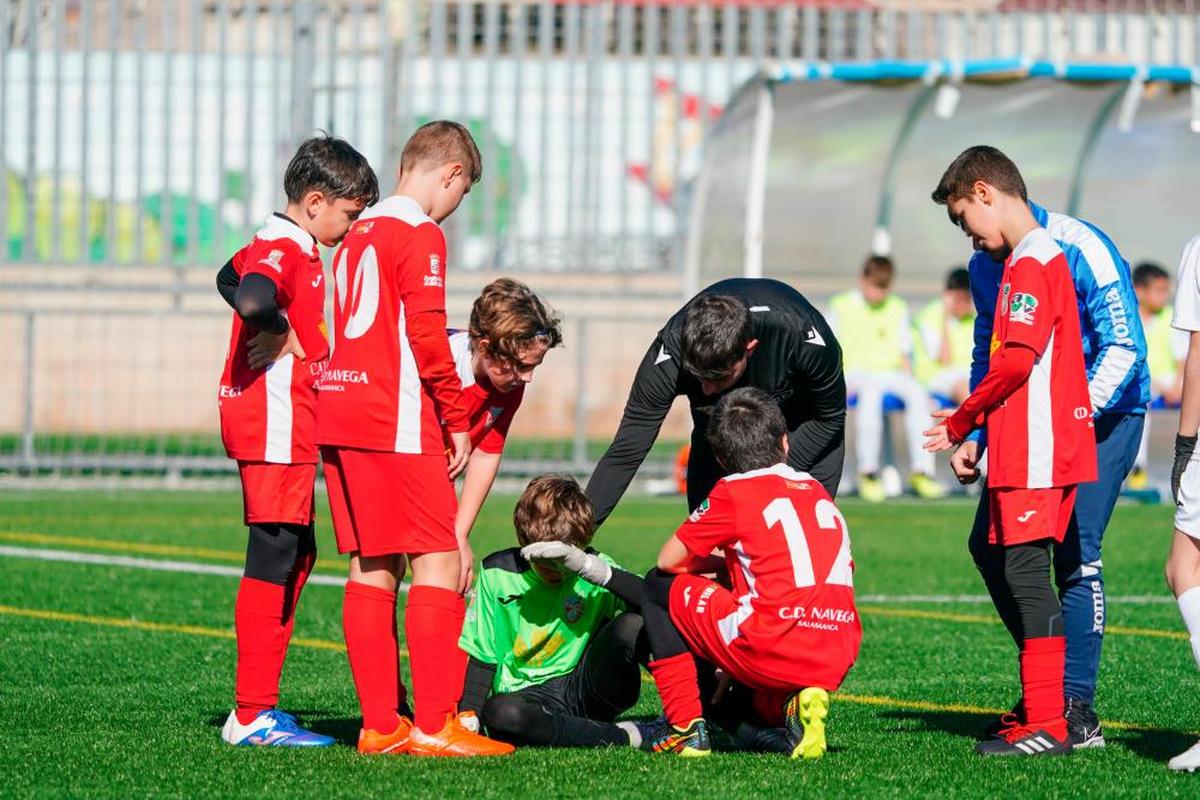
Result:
<point x="197" y="568"/>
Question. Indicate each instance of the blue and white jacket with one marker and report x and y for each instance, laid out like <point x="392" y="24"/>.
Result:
<point x="1114" y="345"/>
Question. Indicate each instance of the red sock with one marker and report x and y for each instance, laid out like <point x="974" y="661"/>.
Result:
<point x="677" y="685"/>
<point x="304" y="568"/>
<point x="261" y="645"/>
<point x="369" y="620"/>
<point x="432" y="624"/>
<point x="1042" y="664"/>
<point x="458" y="666"/>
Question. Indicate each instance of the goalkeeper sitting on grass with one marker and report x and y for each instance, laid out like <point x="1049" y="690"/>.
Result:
<point x="554" y="654"/>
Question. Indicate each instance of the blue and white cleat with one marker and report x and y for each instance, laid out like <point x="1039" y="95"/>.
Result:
<point x="271" y="728"/>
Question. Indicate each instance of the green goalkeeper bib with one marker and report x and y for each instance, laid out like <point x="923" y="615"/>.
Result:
<point x="532" y="630"/>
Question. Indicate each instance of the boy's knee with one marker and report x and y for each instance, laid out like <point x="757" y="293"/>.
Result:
<point x="271" y="553"/>
<point x="505" y="715"/>
<point x="626" y="628"/>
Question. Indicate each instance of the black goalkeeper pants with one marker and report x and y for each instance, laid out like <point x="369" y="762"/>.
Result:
<point x="577" y="709"/>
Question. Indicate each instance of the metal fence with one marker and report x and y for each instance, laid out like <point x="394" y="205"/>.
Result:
<point x="142" y="142"/>
<point x="134" y="132"/>
<point x="132" y="392"/>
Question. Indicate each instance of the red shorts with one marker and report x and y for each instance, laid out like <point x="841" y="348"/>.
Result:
<point x="1020" y="516"/>
<point x="707" y="615"/>
<point x="277" y="492"/>
<point x="387" y="503"/>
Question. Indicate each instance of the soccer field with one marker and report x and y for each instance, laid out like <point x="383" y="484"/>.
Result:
<point x="118" y="672"/>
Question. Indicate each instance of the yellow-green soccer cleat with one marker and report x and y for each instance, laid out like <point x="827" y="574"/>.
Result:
<point x="926" y="487"/>
<point x="689" y="742"/>
<point x="804" y="719"/>
<point x="870" y="488"/>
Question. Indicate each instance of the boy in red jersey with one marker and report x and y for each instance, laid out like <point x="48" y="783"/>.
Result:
<point x="268" y="417"/>
<point x="509" y="334"/>
<point x="788" y="629"/>
<point x="1034" y="401"/>
<point x="390" y="386"/>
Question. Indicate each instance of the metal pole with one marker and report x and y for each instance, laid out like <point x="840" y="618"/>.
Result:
<point x="304" y="57"/>
<point x="222" y="108"/>
<point x="756" y="184"/>
<point x="139" y="113"/>
<point x="113" y="132"/>
<point x="28" y="452"/>
<point x="193" y="237"/>
<point x="491" y="34"/>
<point x="579" y="457"/>
<point x="5" y="185"/>
<point x="545" y="49"/>
<point x="571" y="60"/>
<point x="56" y="186"/>
<point x="250" y="20"/>
<point x="166" y="209"/>
<point x="31" y="104"/>
<point x="625" y="58"/>
<point x="516" y="192"/>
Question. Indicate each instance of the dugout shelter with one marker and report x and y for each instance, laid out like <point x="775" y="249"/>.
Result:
<point x="813" y="166"/>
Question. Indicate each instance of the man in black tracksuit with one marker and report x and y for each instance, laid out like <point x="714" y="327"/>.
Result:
<point x="738" y="332"/>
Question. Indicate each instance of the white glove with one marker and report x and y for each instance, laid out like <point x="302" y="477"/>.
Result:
<point x="591" y="568"/>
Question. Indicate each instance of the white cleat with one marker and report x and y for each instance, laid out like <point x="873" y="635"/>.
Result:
<point x="1187" y="761"/>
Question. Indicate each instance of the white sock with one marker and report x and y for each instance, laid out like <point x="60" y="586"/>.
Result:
<point x="631" y="730"/>
<point x="1189" y="608"/>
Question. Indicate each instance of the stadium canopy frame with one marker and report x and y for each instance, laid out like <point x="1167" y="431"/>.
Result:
<point x="769" y="163"/>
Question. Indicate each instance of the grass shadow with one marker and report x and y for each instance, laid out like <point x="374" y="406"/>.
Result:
<point x="956" y="723"/>
<point x="1156" y="745"/>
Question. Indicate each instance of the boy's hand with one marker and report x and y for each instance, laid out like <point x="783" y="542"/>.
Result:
<point x="466" y="572"/>
<point x="591" y="568"/>
<point x="460" y="453"/>
<point x="938" y="437"/>
<point x="264" y="349"/>
<point x="965" y="462"/>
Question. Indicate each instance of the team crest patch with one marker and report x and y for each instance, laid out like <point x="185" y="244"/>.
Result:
<point x="365" y="227"/>
<point x="435" y="265"/>
<point x="272" y="260"/>
<point x="573" y="608"/>
<point x="699" y="512"/>
<point x="1022" y="308"/>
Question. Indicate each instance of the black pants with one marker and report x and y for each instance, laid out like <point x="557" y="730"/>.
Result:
<point x="704" y="471"/>
<point x="577" y="709"/>
<point x="1018" y="579"/>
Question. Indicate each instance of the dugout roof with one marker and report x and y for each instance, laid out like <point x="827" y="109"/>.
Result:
<point x="812" y="167"/>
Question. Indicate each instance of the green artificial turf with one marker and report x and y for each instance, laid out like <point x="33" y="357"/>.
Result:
<point x="94" y="705"/>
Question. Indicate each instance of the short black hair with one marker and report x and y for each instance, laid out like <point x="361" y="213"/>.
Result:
<point x="1147" y="272"/>
<point x="979" y="163"/>
<point x="329" y="165"/>
<point x="746" y="431"/>
<point x="716" y="331"/>
<point x="958" y="280"/>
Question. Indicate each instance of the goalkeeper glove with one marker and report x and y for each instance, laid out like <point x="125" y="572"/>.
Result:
<point x="1184" y="447"/>
<point x="590" y="567"/>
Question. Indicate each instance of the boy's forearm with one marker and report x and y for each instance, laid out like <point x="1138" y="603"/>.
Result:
<point x="1008" y="370"/>
<point x="481" y="473"/>
<point x="626" y="586"/>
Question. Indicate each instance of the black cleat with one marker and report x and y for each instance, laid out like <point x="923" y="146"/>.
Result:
<point x="1083" y="726"/>
<point x="1022" y="740"/>
<point x="997" y="727"/>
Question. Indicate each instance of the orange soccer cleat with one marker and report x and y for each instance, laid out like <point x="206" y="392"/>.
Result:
<point x="372" y="742"/>
<point x="454" y="739"/>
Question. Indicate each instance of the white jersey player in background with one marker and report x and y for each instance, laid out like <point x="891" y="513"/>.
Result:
<point x="1183" y="562"/>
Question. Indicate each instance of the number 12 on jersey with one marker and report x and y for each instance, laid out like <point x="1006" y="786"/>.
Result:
<point x="828" y="519"/>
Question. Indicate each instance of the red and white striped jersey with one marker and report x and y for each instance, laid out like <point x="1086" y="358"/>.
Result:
<point x="391" y="379"/>
<point x="787" y="549"/>
<point x="270" y="414"/>
<point x="489" y="411"/>
<point x="1043" y="434"/>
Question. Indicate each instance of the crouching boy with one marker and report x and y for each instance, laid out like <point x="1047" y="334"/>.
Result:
<point x="787" y="629"/>
<point x="554" y="652"/>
